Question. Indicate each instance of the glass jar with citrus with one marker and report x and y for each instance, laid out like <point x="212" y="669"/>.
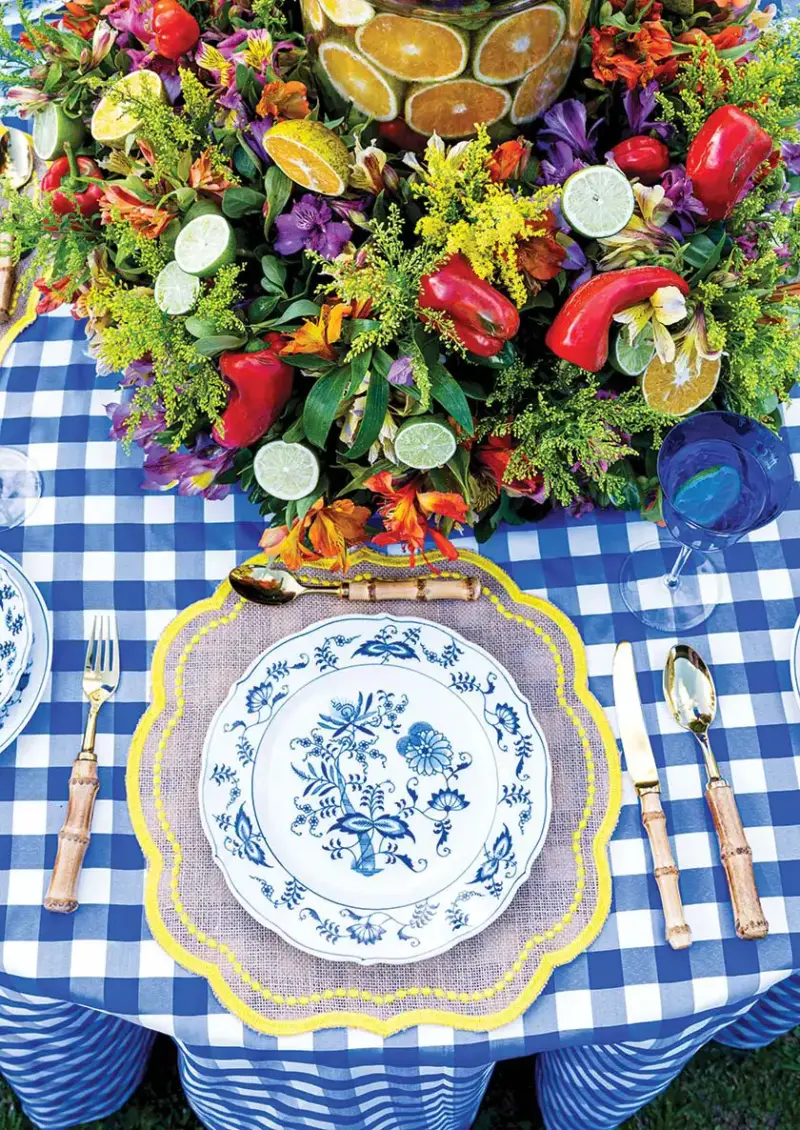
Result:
<point x="446" y="67"/>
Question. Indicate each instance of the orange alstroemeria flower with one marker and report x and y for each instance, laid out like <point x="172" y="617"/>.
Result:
<point x="540" y="257"/>
<point x="330" y="529"/>
<point x="320" y="337"/>
<point x="54" y="294"/>
<point x="406" y="513"/>
<point x="509" y="160"/>
<point x="494" y="455"/>
<point x="636" y="59"/>
<point x="204" y="178"/>
<point x="80" y="18"/>
<point x="281" y="100"/>
<point x="146" y="219"/>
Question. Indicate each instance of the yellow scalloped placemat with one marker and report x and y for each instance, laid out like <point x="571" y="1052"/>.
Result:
<point x="481" y="983"/>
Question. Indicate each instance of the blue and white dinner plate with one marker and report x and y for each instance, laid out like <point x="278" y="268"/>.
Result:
<point x="794" y="661"/>
<point x="375" y="789"/>
<point x="17" y="710"/>
<point x="15" y="634"/>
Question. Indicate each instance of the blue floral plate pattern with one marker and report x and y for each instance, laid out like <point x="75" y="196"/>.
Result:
<point x="375" y="789"/>
<point x="15" y="635"/>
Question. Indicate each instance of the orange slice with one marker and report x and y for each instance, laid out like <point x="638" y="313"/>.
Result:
<point x="578" y="13"/>
<point x="455" y="108"/>
<point x="414" y="50"/>
<point x="544" y="84"/>
<point x="357" y="80"/>
<point x="678" y="391"/>
<point x="310" y="154"/>
<point x="347" y="13"/>
<point x="510" y="47"/>
<point x="313" y="15"/>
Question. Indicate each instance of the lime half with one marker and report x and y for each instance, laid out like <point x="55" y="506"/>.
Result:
<point x="204" y="245"/>
<point x="424" y="443"/>
<point x="51" y="128"/>
<point x="706" y="496"/>
<point x="288" y="471"/>
<point x="201" y="207"/>
<point x="175" y="291"/>
<point x="598" y="201"/>
<point x="115" y="115"/>
<point x="633" y="359"/>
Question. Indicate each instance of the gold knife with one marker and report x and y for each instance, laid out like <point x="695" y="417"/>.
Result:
<point x="641" y="765"/>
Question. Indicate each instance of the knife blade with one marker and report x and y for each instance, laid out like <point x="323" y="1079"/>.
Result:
<point x="641" y="765"/>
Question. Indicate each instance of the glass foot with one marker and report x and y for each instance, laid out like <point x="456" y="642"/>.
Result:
<point x="648" y="596"/>
<point x="20" y="487"/>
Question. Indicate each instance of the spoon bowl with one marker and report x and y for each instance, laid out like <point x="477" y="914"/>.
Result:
<point x="689" y="689"/>
<point x="262" y="585"/>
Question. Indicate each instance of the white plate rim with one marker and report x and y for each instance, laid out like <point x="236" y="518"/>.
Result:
<point x="32" y="696"/>
<point x="28" y="638"/>
<point x="794" y="660"/>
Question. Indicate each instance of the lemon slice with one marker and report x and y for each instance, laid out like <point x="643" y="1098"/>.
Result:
<point x="175" y="291"/>
<point x="310" y="154"/>
<point x="51" y="128"/>
<point x="543" y="85"/>
<point x="16" y="156"/>
<point x="597" y="201"/>
<point x="313" y="14"/>
<point x="453" y="109"/>
<point x="413" y="50"/>
<point x="114" y="117"/>
<point x="676" y="391"/>
<point x="508" y="48"/>
<point x="347" y="13"/>
<point x="287" y="471"/>
<point x="359" y="81"/>
<point x="424" y="443"/>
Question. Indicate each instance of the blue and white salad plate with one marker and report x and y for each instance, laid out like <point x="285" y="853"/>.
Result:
<point x="20" y="706"/>
<point x="15" y="634"/>
<point x="375" y="789"/>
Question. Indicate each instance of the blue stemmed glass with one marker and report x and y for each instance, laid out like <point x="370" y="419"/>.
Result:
<point x="722" y="476"/>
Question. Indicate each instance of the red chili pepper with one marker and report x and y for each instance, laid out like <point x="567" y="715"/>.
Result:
<point x="176" y="30"/>
<point x="579" y="332"/>
<point x="68" y="173"/>
<point x="723" y="157"/>
<point x="643" y="157"/>
<point x="484" y="319"/>
<point x="261" y="383"/>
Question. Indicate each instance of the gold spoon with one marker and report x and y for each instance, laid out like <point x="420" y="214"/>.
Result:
<point x="263" y="585"/>
<point x="692" y="698"/>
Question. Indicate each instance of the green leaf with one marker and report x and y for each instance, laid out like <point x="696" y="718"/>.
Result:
<point x="247" y="85"/>
<point x="360" y="326"/>
<point x="381" y="363"/>
<point x="274" y="271"/>
<point x="238" y="202"/>
<point x="302" y="308"/>
<point x="359" y="474"/>
<point x="278" y="188"/>
<point x="306" y="361"/>
<point x="261" y="308"/>
<point x="322" y="404"/>
<point x="459" y="465"/>
<point x="373" y="418"/>
<point x="296" y="433"/>
<point x="699" y="249"/>
<point x="218" y="343"/>
<point x="185" y="198"/>
<point x="446" y="391"/>
<point x="245" y="162"/>
<point x="200" y="327"/>
<point x="358" y="370"/>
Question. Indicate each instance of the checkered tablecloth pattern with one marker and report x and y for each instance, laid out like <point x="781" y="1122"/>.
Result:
<point x="96" y="541"/>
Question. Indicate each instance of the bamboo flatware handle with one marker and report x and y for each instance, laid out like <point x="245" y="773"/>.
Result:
<point x="7" y="274"/>
<point x="678" y="933"/>
<point x="737" y="859"/>
<point x="73" y="839"/>
<point x="415" y="588"/>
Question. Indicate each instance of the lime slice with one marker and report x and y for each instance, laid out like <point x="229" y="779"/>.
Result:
<point x="286" y="470"/>
<point x="115" y="117"/>
<point x="633" y="359"/>
<point x="205" y="245"/>
<point x="51" y="128"/>
<point x="202" y="207"/>
<point x="176" y="292"/>
<point x="706" y="496"/>
<point x="597" y="201"/>
<point x="424" y="443"/>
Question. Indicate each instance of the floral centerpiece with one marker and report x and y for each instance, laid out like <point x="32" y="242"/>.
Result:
<point x="382" y="336"/>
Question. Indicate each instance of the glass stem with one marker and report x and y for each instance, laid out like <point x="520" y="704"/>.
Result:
<point x="673" y="578"/>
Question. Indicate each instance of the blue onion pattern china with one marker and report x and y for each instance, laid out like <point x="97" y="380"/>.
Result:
<point x="375" y="789"/>
<point x="15" y="635"/>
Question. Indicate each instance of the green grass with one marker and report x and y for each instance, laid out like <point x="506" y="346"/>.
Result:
<point x="719" y="1090"/>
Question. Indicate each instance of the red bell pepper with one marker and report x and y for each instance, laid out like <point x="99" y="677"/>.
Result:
<point x="483" y="318"/>
<point x="643" y="157"/>
<point x="261" y="383"/>
<point x="69" y="173"/>
<point x="176" y="31"/>
<point x="723" y="157"/>
<point x="579" y="332"/>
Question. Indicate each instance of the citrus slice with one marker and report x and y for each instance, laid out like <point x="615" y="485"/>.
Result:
<point x="16" y="156"/>
<point x="175" y="292"/>
<point x="543" y="85"/>
<point x="424" y="443"/>
<point x="310" y="154"/>
<point x="577" y="16"/>
<point x="361" y="83"/>
<point x="597" y="201"/>
<point x="633" y="359"/>
<point x="508" y="48"/>
<point x="313" y="14"/>
<point x="51" y="128"/>
<point x="201" y="207"/>
<point x="455" y="108"/>
<point x="115" y="115"/>
<point x="677" y="391"/>
<point x="347" y="13"/>
<point x="706" y="496"/>
<point x="413" y="50"/>
<point x="288" y="471"/>
<point x="205" y="245"/>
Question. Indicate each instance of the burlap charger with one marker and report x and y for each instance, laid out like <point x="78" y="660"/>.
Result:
<point x="481" y="983"/>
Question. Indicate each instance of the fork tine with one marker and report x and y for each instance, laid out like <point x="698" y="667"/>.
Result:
<point x="99" y="653"/>
<point x="90" y="646"/>
<point x="115" y="645"/>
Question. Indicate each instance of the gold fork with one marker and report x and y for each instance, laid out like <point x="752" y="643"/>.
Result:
<point x="100" y="680"/>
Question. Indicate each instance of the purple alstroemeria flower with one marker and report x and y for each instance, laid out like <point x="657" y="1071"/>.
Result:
<point x="191" y="472"/>
<point x="227" y="47"/>
<point x="790" y="151"/>
<point x="574" y="260"/>
<point x="566" y="121"/>
<point x="400" y="372"/>
<point x="639" y="104"/>
<point x="134" y="16"/>
<point x="144" y="433"/>
<point x="310" y="226"/>
<point x="137" y="375"/>
<point x="686" y="208"/>
<point x="560" y="163"/>
<point x="238" y="115"/>
<point x="353" y="210"/>
<point x="253" y="135"/>
<point x="167" y="68"/>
